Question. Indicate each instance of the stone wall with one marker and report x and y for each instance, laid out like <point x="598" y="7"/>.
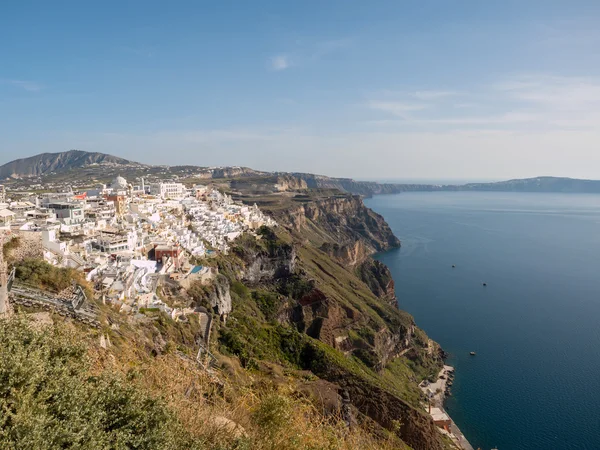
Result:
<point x="30" y="244"/>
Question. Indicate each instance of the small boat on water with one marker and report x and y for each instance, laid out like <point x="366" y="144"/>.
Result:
<point x="484" y="284"/>
<point x="453" y="266"/>
<point x="472" y="353"/>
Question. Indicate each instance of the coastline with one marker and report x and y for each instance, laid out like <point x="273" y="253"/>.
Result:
<point x="436" y="393"/>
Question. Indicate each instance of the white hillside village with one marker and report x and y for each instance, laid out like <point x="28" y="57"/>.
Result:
<point x="127" y="239"/>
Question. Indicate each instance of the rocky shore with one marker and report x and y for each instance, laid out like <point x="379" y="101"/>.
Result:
<point x="436" y="392"/>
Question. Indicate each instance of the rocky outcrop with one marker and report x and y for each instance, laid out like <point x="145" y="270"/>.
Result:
<point x="22" y="245"/>
<point x="378" y="277"/>
<point x="322" y="318"/>
<point x="339" y="222"/>
<point x="390" y="411"/>
<point x="351" y="254"/>
<point x="328" y="288"/>
<point x="270" y="266"/>
<point x="220" y="296"/>
<point x="290" y="183"/>
<point x="364" y="188"/>
<point x="266" y="258"/>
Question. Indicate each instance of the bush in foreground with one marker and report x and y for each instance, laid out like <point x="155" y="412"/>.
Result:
<point x="49" y="400"/>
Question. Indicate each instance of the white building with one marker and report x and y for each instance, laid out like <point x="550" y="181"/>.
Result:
<point x="51" y="243"/>
<point x="168" y="190"/>
<point x="6" y="217"/>
<point x="67" y="212"/>
<point x="115" y="243"/>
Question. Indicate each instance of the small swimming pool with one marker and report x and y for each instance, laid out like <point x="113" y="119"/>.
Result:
<point x="196" y="269"/>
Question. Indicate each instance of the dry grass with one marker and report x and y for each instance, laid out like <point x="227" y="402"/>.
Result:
<point x="249" y="413"/>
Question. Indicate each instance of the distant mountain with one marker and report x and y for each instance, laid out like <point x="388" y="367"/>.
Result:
<point x="365" y="188"/>
<point x="537" y="184"/>
<point x="56" y="163"/>
<point x="47" y="163"/>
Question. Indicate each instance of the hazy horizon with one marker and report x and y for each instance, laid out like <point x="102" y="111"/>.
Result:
<point x="423" y="91"/>
<point x="377" y="179"/>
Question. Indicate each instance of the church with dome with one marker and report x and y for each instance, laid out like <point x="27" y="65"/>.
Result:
<point x="120" y="186"/>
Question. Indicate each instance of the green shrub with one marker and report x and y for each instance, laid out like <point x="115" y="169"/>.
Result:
<point x="267" y="302"/>
<point x="233" y="345"/>
<point x="49" y="400"/>
<point x="295" y="286"/>
<point x="367" y="334"/>
<point x="273" y="413"/>
<point x="368" y="357"/>
<point x="266" y="233"/>
<point x="40" y="274"/>
<point x="239" y="288"/>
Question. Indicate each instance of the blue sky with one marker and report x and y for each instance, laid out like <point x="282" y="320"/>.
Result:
<point x="382" y="89"/>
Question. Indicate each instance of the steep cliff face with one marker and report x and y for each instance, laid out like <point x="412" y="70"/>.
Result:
<point x="220" y="296"/>
<point x="364" y="188"/>
<point x="379" y="279"/>
<point x="350" y="329"/>
<point x="270" y="265"/>
<point x="351" y="254"/>
<point x="415" y="427"/>
<point x="335" y="310"/>
<point x="264" y="260"/>
<point x="338" y="223"/>
<point x="345" y="229"/>
<point x="290" y="183"/>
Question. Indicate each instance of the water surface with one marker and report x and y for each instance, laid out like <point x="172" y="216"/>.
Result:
<point x="535" y="381"/>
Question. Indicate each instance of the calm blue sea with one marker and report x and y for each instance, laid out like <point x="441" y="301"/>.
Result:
<point x="535" y="381"/>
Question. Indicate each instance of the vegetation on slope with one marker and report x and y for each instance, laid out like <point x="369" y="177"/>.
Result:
<point x="320" y="317"/>
<point x="49" y="398"/>
<point x="59" y="389"/>
<point x="307" y="326"/>
<point x="42" y="275"/>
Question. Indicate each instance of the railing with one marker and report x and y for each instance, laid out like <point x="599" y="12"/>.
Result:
<point x="76" y="308"/>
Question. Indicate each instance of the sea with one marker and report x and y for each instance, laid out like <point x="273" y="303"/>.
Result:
<point x="534" y="382"/>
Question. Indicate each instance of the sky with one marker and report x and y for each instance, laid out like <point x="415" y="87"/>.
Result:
<point x="465" y="89"/>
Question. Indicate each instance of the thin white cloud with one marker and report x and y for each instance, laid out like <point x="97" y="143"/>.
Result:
<point x="30" y="86"/>
<point x="397" y="108"/>
<point x="280" y="62"/>
<point x="555" y="92"/>
<point x="538" y="101"/>
<point x="434" y="95"/>
<point x="308" y="53"/>
<point x="502" y="119"/>
<point x="465" y="105"/>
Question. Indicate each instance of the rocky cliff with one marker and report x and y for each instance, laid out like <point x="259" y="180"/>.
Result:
<point x="263" y="260"/>
<point x="341" y="225"/>
<point x="310" y="294"/>
<point x="220" y="296"/>
<point x="364" y="188"/>
<point x="378" y="277"/>
<point x="290" y="183"/>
